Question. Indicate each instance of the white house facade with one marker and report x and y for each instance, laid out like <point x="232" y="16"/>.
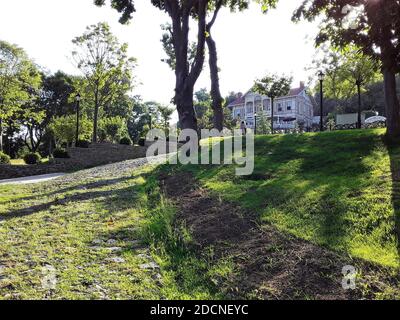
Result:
<point x="297" y="106"/>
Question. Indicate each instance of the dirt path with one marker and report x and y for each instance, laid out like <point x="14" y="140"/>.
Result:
<point x="268" y="264"/>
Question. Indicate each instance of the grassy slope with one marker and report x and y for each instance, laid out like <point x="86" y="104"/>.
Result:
<point x="59" y="224"/>
<point x="333" y="189"/>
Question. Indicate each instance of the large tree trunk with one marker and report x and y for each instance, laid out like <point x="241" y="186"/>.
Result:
<point x="391" y="104"/>
<point x="184" y="103"/>
<point x="186" y="76"/>
<point x="215" y="87"/>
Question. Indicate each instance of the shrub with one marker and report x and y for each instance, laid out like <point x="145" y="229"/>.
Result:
<point x="4" y="159"/>
<point x="142" y="142"/>
<point x="32" y="158"/>
<point x="112" y="129"/>
<point x="83" y="144"/>
<point x="126" y="141"/>
<point x="64" y="129"/>
<point x="60" y="153"/>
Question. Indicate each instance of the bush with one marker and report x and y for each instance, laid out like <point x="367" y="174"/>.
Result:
<point x="60" y="153"/>
<point x="83" y="144"/>
<point x="112" y="129"/>
<point x="32" y="158"/>
<point x="142" y="142"/>
<point x="126" y="141"/>
<point x="4" y="159"/>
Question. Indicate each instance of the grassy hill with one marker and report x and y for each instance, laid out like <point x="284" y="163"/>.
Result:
<point x="315" y="203"/>
<point x="335" y="189"/>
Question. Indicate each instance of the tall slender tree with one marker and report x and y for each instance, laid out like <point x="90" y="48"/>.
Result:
<point x="214" y="9"/>
<point x="106" y="66"/>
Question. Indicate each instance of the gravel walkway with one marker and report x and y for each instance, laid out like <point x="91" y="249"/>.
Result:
<point x="118" y="169"/>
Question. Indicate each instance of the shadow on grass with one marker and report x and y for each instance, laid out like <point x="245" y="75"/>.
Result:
<point x="394" y="153"/>
<point x="301" y="181"/>
<point x="124" y="197"/>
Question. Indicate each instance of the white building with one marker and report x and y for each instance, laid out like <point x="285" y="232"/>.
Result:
<point x="297" y="106"/>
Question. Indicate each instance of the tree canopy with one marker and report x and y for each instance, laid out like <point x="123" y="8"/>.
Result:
<point x="106" y="66"/>
<point x="371" y="25"/>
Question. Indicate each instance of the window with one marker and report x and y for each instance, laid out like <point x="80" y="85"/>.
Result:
<point x="249" y="108"/>
<point x="258" y="103"/>
<point x="279" y="107"/>
<point x="267" y="105"/>
<point x="289" y="106"/>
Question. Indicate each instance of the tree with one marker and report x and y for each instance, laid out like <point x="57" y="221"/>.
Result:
<point x="263" y="125"/>
<point x="18" y="78"/>
<point x="166" y="114"/>
<point x="273" y="86"/>
<point x="112" y="129"/>
<point x="374" y="29"/>
<point x="186" y="74"/>
<point x="106" y="66"/>
<point x="64" y="129"/>
<point x="186" y="71"/>
<point x="215" y="7"/>
<point x="346" y="71"/>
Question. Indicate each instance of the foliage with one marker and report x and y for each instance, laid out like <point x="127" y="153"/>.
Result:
<point x="343" y="69"/>
<point x="166" y="114"/>
<point x="106" y="66"/>
<point x="4" y="159"/>
<point x="273" y="86"/>
<point x="112" y="129"/>
<point x="126" y="141"/>
<point x="139" y="120"/>
<point x="263" y="125"/>
<point x="64" y="129"/>
<point x="19" y="81"/>
<point x="32" y="158"/>
<point x="372" y="26"/>
<point x="60" y="153"/>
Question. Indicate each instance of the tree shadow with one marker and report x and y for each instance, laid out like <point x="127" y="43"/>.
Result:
<point x="394" y="154"/>
<point x="124" y="196"/>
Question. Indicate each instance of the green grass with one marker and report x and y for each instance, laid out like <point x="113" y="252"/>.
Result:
<point x="334" y="189"/>
<point x="57" y="223"/>
<point x="17" y="162"/>
<point x="21" y="162"/>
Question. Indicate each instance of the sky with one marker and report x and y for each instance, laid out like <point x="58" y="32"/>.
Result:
<point x="250" y="43"/>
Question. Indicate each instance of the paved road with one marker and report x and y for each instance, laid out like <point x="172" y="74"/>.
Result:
<point x="32" y="179"/>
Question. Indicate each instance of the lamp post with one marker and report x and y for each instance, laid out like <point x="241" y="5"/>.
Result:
<point x="359" y="83"/>
<point x="321" y="77"/>
<point x="78" y="101"/>
<point x="255" y="124"/>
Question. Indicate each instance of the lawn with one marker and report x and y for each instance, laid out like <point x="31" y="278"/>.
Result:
<point x="117" y="235"/>
<point x="334" y="189"/>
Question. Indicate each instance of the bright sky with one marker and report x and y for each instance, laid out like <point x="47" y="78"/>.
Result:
<point x="249" y="43"/>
